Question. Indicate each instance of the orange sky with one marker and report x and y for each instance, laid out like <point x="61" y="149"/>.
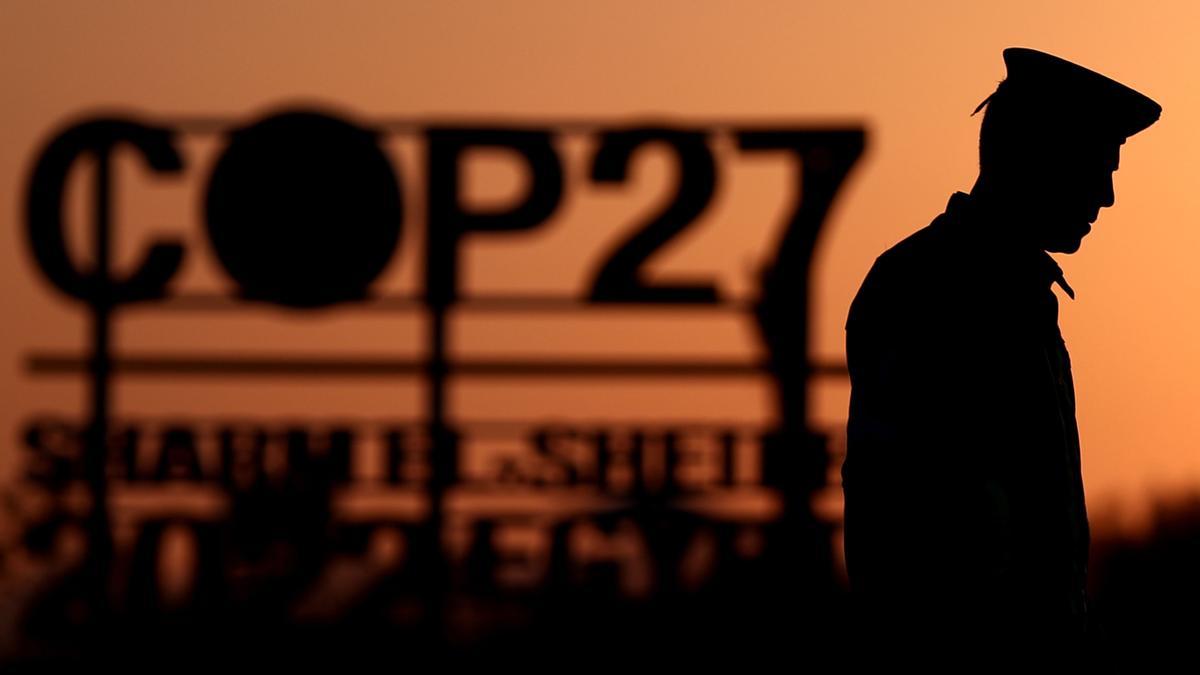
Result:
<point x="911" y="72"/>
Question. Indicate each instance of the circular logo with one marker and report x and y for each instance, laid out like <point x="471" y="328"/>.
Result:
<point x="304" y="210"/>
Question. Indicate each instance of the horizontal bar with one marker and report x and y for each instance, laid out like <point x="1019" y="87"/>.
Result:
<point x="213" y="124"/>
<point x="485" y="303"/>
<point x="150" y="365"/>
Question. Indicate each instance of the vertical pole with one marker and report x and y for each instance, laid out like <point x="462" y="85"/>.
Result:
<point x="95" y="453"/>
<point x="441" y="463"/>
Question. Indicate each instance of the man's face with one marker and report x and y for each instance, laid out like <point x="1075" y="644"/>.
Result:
<point x="1067" y="192"/>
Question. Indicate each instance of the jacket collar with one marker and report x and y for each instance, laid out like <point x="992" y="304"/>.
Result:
<point x="987" y="237"/>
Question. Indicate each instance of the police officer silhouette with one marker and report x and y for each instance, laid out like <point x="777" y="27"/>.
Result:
<point x="965" y="526"/>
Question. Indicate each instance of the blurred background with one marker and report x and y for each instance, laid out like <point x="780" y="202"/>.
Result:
<point x="564" y="389"/>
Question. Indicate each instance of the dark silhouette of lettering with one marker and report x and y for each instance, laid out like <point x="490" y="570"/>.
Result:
<point x="448" y="221"/>
<point x="618" y="279"/>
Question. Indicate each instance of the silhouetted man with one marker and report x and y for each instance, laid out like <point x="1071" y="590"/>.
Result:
<point x="965" y="519"/>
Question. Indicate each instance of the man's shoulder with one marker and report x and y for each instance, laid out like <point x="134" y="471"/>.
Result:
<point x="908" y="273"/>
<point x="929" y="249"/>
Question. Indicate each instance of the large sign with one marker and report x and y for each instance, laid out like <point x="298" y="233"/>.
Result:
<point x="304" y="209"/>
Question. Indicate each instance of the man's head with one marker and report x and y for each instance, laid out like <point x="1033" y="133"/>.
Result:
<point x="1050" y="142"/>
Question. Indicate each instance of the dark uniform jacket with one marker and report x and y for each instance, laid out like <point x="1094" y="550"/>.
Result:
<point x="964" y="505"/>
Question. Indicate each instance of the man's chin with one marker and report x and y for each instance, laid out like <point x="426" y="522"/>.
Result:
<point x="1065" y="246"/>
<point x="1069" y="244"/>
